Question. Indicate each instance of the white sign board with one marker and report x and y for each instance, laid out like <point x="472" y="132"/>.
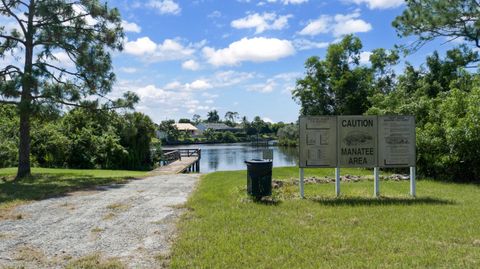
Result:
<point x="396" y="141"/>
<point x="357" y="141"/>
<point x="318" y="141"/>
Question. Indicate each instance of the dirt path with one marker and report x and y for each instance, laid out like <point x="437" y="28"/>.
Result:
<point x="134" y="222"/>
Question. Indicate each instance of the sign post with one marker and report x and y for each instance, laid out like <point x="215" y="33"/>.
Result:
<point x="302" y="175"/>
<point x="413" y="191"/>
<point x="337" y="181"/>
<point x="376" y="186"/>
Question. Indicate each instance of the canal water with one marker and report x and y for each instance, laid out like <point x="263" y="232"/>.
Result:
<point x="226" y="157"/>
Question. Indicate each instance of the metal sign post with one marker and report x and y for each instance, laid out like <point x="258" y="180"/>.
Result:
<point x="413" y="191"/>
<point x="302" y="175"/>
<point x="376" y="186"/>
<point x="337" y="181"/>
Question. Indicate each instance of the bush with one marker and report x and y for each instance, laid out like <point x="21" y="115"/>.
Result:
<point x="288" y="135"/>
<point x="229" y="137"/>
<point x="8" y="136"/>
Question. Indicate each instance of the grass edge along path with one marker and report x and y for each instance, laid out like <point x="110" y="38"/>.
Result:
<point x="223" y="228"/>
<point x="48" y="182"/>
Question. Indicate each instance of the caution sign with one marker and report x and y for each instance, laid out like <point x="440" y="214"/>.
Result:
<point x="357" y="141"/>
<point x="318" y="141"/>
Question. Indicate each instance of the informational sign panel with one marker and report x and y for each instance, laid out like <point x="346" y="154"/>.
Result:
<point x="318" y="141"/>
<point x="396" y="145"/>
<point x="357" y="141"/>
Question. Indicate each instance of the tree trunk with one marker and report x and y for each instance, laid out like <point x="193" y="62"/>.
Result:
<point x="24" y="147"/>
<point x="26" y="99"/>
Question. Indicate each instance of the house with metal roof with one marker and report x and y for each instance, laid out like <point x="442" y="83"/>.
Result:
<point x="187" y="128"/>
<point x="218" y="127"/>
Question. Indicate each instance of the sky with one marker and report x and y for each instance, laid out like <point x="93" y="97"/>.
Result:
<point x="186" y="57"/>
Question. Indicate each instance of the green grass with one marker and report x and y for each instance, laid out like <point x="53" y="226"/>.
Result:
<point x="45" y="183"/>
<point x="223" y="228"/>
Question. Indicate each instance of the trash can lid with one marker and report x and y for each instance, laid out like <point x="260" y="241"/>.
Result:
<point x="258" y="161"/>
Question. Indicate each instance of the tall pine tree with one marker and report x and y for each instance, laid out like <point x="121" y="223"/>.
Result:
<point x="61" y="56"/>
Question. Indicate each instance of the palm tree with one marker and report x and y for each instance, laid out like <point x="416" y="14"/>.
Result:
<point x="212" y="116"/>
<point x="231" y="117"/>
<point x="196" y="119"/>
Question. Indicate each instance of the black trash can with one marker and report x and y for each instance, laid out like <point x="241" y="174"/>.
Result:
<point x="259" y="177"/>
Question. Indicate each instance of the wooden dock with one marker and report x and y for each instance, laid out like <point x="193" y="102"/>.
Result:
<point x="178" y="161"/>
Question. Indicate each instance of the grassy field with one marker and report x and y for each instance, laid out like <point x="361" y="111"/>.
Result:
<point x="46" y="183"/>
<point x="223" y="228"/>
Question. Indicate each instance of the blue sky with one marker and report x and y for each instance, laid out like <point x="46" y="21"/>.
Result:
<point x="189" y="57"/>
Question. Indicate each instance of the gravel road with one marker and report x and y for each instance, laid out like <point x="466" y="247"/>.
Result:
<point x="134" y="222"/>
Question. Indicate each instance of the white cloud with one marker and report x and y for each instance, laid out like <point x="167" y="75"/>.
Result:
<point x="284" y="82"/>
<point x="338" y="25"/>
<point x="141" y="46"/>
<point x="379" y="4"/>
<point x="266" y="119"/>
<point x="129" y="70"/>
<point x="230" y="78"/>
<point x="131" y="27"/>
<point x="172" y="50"/>
<point x="266" y="87"/>
<point x="287" y="2"/>
<point x="173" y="85"/>
<point x="259" y="49"/>
<point x="262" y="22"/>
<point x="348" y="24"/>
<point x="80" y="10"/>
<point x="161" y="103"/>
<point x="169" y="50"/>
<point x="318" y="26"/>
<point x="63" y="59"/>
<point x="215" y="14"/>
<point x="209" y="95"/>
<point x="365" y="57"/>
<point x="305" y="44"/>
<point x="198" y="84"/>
<point x="12" y="57"/>
<point x="165" y="6"/>
<point x="215" y="81"/>
<point x="190" y="65"/>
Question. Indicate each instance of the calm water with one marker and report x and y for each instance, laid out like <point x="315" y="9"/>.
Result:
<point x="225" y="157"/>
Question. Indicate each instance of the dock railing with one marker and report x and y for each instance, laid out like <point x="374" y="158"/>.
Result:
<point x="169" y="156"/>
<point x="190" y="153"/>
<point x="172" y="155"/>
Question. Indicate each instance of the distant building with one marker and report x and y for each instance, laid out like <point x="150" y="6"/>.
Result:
<point x="187" y="128"/>
<point x="217" y="127"/>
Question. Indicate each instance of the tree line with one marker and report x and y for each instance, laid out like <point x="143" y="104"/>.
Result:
<point x="246" y="130"/>
<point x="82" y="138"/>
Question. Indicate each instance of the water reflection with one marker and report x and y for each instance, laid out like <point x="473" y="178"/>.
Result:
<point x="225" y="157"/>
